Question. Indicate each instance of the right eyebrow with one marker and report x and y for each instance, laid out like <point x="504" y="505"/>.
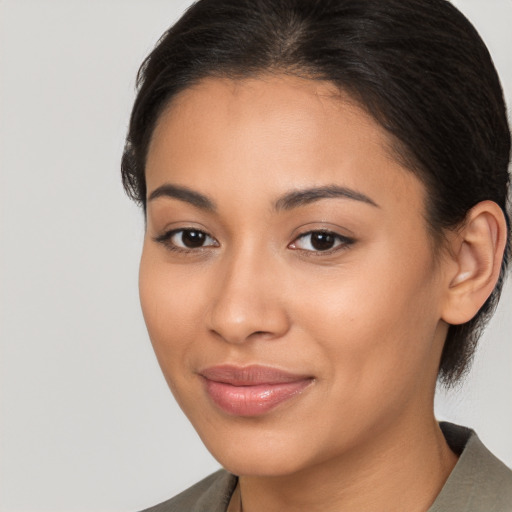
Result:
<point x="183" y="194"/>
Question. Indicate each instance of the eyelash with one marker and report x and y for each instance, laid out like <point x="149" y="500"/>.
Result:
<point x="343" y="242"/>
<point x="165" y="239"/>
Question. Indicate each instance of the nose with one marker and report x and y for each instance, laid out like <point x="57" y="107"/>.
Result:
<point x="246" y="301"/>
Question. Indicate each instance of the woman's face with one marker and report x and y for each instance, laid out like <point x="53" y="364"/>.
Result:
<point x="287" y="278"/>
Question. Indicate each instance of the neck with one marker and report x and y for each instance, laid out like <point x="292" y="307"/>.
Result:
<point x="403" y="468"/>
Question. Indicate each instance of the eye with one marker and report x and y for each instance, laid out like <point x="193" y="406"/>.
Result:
<point x="320" y="241"/>
<point x="187" y="239"/>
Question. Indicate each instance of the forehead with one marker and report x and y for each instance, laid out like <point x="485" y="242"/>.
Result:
<point x="307" y="107"/>
<point x="291" y="130"/>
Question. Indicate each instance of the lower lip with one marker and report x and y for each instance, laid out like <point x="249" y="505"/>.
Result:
<point x="253" y="400"/>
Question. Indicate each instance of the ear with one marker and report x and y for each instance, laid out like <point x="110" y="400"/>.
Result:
<point x="476" y="256"/>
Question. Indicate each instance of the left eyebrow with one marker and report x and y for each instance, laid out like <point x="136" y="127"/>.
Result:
<point x="304" y="197"/>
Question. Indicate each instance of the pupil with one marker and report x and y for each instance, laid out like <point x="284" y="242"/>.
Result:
<point x="322" y="241"/>
<point x="193" y="238"/>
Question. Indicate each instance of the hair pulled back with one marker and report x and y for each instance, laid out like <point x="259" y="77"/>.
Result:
<point x="417" y="66"/>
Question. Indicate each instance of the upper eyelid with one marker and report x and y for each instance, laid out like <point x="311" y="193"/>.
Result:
<point x="321" y="230"/>
<point x="165" y="237"/>
<point x="324" y="226"/>
<point x="170" y="232"/>
<point x="167" y="232"/>
<point x="327" y="231"/>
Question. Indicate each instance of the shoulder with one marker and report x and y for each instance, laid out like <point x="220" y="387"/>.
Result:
<point x="211" y="494"/>
<point x="480" y="482"/>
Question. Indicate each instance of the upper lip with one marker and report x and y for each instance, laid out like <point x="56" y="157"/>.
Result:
<point x="252" y="375"/>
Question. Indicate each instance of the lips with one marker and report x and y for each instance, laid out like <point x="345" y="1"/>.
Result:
<point x="251" y="390"/>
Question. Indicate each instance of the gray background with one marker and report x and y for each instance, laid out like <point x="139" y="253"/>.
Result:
<point x="86" y="420"/>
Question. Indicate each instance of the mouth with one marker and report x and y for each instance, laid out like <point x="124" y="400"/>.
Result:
<point x="251" y="390"/>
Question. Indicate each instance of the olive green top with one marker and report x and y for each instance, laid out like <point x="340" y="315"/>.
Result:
<point x="479" y="482"/>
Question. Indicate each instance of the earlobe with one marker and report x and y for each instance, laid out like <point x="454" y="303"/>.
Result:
<point x="477" y="252"/>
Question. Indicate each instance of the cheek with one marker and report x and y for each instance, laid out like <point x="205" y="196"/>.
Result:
<point x="375" y="322"/>
<point x="171" y="304"/>
<point x="374" y="347"/>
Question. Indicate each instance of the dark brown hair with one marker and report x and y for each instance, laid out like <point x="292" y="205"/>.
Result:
<point x="417" y="66"/>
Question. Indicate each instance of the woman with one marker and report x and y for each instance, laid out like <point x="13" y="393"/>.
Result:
<point x="325" y="187"/>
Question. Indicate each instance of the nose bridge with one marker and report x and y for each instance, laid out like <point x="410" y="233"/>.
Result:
<point x="246" y="299"/>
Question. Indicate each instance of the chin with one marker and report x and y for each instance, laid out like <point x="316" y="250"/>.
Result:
<point x="258" y="452"/>
<point x="260" y="465"/>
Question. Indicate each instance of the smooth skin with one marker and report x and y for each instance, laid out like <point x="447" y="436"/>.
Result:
<point x="348" y="289"/>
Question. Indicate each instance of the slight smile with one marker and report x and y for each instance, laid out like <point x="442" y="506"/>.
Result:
<point x="251" y="390"/>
